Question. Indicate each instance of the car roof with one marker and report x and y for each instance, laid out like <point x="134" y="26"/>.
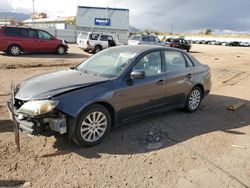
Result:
<point x="143" y="48"/>
<point x="20" y="27"/>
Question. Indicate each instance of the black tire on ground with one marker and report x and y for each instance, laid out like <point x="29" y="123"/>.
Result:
<point x="61" y="50"/>
<point x="14" y="50"/>
<point x="97" y="49"/>
<point x="194" y="99"/>
<point x="188" y="50"/>
<point x="92" y="126"/>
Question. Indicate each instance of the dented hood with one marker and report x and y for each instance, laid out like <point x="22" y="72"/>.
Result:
<point x="48" y="85"/>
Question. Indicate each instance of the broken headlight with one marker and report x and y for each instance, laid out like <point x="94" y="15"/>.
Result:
<point x="38" y="107"/>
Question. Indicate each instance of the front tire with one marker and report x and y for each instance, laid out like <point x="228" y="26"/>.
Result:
<point x="92" y="126"/>
<point x="194" y="99"/>
<point x="14" y="50"/>
<point x="61" y="50"/>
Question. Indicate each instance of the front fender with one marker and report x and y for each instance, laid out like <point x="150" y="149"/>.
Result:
<point x="73" y="103"/>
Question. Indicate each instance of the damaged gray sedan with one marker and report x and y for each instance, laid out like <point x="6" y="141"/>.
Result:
<point x="113" y="87"/>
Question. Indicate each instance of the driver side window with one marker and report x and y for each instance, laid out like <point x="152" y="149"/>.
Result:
<point x="44" y="35"/>
<point x="150" y="63"/>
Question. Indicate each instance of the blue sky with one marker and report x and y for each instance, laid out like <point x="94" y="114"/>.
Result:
<point x="183" y="15"/>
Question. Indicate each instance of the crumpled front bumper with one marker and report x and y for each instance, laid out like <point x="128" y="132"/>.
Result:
<point x="26" y="126"/>
<point x="38" y="125"/>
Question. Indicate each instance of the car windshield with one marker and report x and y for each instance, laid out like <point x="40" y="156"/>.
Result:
<point x="107" y="63"/>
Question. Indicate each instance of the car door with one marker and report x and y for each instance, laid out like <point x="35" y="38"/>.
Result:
<point x="31" y="40"/>
<point x="180" y="77"/>
<point x="46" y="42"/>
<point x="142" y="96"/>
<point x="104" y="41"/>
<point x="145" y="40"/>
<point x="151" y="40"/>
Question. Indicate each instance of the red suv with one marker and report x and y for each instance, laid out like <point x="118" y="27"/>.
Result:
<point x="15" y="40"/>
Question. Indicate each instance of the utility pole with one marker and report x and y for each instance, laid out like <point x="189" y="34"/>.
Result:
<point x="33" y="11"/>
<point x="172" y="29"/>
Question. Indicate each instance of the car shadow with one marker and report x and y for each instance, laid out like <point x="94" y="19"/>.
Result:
<point x="166" y="129"/>
<point x="11" y="183"/>
<point x="195" y="52"/>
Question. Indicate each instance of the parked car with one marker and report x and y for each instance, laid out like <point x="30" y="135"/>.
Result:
<point x="95" y="42"/>
<point x="234" y="43"/>
<point x="169" y="41"/>
<point x="245" y="44"/>
<point x="181" y="44"/>
<point x="15" y="40"/>
<point x="113" y="87"/>
<point x="145" y="39"/>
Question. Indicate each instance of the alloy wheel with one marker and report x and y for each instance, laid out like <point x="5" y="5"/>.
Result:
<point x="61" y="50"/>
<point x="194" y="99"/>
<point x="94" y="126"/>
<point x="15" y="50"/>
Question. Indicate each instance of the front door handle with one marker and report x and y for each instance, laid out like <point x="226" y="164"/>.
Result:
<point x="160" y="82"/>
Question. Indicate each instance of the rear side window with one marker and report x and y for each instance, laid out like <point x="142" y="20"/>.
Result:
<point x="12" y="31"/>
<point x="104" y="38"/>
<point x="144" y="38"/>
<point x="93" y="36"/>
<point x="174" y="61"/>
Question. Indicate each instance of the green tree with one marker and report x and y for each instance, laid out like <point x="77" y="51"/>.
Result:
<point x="208" y="32"/>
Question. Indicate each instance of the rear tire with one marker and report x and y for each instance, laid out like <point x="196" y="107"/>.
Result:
<point x="92" y="126"/>
<point x="14" y="50"/>
<point x="194" y="99"/>
<point x="97" y="49"/>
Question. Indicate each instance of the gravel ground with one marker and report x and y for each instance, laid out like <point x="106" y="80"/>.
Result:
<point x="209" y="148"/>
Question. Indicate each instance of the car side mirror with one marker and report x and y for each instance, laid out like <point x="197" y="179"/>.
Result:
<point x="136" y="74"/>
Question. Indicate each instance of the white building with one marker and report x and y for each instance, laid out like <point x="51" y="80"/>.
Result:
<point x="106" y="20"/>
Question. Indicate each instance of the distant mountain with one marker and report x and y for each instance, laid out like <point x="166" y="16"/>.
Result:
<point x="14" y="15"/>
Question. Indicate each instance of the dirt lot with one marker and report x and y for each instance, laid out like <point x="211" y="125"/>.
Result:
<point x="174" y="149"/>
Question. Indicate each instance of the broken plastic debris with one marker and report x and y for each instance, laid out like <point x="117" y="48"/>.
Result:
<point x="234" y="107"/>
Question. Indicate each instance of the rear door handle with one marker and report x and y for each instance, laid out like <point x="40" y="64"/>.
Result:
<point x="189" y="75"/>
<point x="160" y="82"/>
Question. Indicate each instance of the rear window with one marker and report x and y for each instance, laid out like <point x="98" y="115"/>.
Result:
<point x="12" y="31"/>
<point x="135" y="37"/>
<point x="83" y="35"/>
